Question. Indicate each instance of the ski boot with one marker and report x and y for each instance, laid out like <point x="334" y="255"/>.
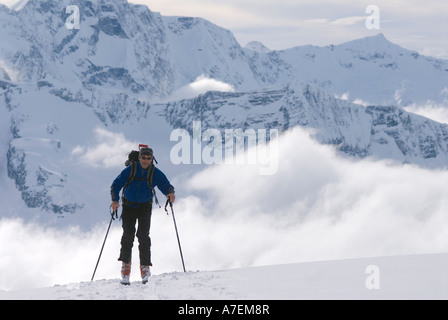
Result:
<point x="125" y="274"/>
<point x="146" y="273"/>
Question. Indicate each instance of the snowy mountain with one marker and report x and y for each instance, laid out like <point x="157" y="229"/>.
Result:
<point x="372" y="70"/>
<point x="383" y="132"/>
<point x="154" y="55"/>
<point x="61" y="87"/>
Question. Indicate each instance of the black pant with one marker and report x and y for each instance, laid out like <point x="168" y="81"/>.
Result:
<point x="129" y="217"/>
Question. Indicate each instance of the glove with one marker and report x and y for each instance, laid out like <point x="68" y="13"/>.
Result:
<point x="114" y="214"/>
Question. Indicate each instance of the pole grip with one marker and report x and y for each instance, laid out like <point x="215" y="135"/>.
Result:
<point x="166" y="205"/>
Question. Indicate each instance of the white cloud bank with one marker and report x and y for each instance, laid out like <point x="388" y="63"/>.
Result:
<point x="320" y="206"/>
<point x="434" y="111"/>
<point x="317" y="207"/>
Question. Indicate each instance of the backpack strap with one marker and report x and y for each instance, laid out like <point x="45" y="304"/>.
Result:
<point x="131" y="175"/>
<point x="149" y="181"/>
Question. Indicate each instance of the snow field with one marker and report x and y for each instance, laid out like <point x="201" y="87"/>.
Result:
<point x="398" y="277"/>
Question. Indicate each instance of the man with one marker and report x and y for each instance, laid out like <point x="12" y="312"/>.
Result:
<point x="137" y="199"/>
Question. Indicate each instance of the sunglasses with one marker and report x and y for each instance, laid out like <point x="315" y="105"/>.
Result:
<point x="146" y="158"/>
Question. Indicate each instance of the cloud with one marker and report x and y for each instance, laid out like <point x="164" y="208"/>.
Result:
<point x="33" y="256"/>
<point x="201" y="85"/>
<point x="320" y="206"/>
<point x="348" y="20"/>
<point x="109" y="150"/>
<point x="434" y="111"/>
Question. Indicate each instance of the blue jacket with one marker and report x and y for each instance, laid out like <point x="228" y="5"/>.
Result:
<point x="138" y="190"/>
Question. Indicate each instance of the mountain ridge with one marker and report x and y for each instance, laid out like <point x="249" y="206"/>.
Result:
<point x="355" y="130"/>
<point x="177" y="50"/>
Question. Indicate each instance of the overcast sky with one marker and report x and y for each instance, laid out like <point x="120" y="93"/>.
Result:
<point x="280" y="24"/>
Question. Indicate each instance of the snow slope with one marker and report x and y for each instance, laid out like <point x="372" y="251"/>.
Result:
<point x="399" y="277"/>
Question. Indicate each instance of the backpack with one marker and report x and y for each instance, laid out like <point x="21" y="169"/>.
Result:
<point x="133" y="159"/>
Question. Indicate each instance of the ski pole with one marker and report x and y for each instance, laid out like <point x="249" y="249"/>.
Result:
<point x="107" y="233"/>
<point x="177" y="233"/>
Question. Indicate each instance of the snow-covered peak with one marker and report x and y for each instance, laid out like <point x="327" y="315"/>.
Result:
<point x="377" y="42"/>
<point x="257" y="46"/>
<point x="14" y="4"/>
<point x="3" y="8"/>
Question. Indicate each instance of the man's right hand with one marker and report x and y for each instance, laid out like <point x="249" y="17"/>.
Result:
<point x="115" y="205"/>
